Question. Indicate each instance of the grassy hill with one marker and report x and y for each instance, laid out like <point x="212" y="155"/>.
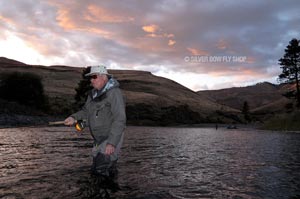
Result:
<point x="257" y="95"/>
<point x="264" y="99"/>
<point x="150" y="100"/>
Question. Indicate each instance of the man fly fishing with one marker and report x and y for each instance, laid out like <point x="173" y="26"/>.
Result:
<point x="104" y="113"/>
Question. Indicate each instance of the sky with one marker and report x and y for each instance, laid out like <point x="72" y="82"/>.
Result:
<point x="201" y="44"/>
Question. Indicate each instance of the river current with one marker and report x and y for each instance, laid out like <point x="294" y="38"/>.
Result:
<point x="155" y="163"/>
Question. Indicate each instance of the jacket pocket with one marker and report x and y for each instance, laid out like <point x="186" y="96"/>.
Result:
<point x="102" y="115"/>
<point x="100" y="134"/>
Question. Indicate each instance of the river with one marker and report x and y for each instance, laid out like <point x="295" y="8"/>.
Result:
<point x="155" y="163"/>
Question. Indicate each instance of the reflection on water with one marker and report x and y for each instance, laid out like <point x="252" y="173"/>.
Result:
<point x="155" y="163"/>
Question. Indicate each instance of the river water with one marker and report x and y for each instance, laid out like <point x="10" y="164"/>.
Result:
<point x="156" y="163"/>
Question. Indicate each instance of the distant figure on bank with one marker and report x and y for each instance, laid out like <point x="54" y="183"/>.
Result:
<point x="217" y="126"/>
<point x="104" y="112"/>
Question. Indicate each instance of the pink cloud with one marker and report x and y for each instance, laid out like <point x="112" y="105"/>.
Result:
<point x="195" y="51"/>
<point x="171" y="42"/>
<point x="97" y="14"/>
<point x="222" y="44"/>
<point x="151" y="28"/>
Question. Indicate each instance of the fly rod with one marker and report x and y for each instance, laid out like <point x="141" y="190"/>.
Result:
<point x="56" y="123"/>
<point x="79" y="125"/>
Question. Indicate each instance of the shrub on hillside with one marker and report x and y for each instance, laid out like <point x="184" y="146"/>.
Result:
<point x="24" y="88"/>
<point x="82" y="89"/>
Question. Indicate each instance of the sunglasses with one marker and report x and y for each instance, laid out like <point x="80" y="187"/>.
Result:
<point x="93" y="77"/>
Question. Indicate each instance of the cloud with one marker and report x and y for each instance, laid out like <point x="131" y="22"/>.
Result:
<point x="195" y="51"/>
<point x="98" y="14"/>
<point x="222" y="44"/>
<point x="155" y="35"/>
<point x="151" y="28"/>
<point x="171" y="42"/>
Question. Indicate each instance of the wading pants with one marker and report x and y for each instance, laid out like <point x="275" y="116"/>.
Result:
<point x="105" y="165"/>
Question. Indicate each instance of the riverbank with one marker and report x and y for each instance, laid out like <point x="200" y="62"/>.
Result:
<point x="18" y="120"/>
<point x="284" y="122"/>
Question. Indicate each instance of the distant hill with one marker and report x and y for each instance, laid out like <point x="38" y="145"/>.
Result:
<point x="150" y="100"/>
<point x="263" y="98"/>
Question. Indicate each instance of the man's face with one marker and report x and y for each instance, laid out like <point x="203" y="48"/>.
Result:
<point x="98" y="81"/>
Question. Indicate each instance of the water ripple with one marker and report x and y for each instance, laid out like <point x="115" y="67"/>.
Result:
<point x="156" y="163"/>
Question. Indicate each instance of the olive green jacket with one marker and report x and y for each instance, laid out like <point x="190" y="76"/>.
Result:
<point x="105" y="113"/>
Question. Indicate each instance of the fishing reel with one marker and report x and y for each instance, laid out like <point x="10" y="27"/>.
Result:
<point x="80" y="125"/>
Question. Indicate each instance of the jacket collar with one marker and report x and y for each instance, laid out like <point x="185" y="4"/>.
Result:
<point x="112" y="83"/>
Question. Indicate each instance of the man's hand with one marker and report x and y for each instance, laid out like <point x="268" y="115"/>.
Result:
<point x="110" y="149"/>
<point x="69" y="121"/>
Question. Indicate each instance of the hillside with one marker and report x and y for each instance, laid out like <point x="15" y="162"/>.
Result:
<point x="150" y="99"/>
<point x="263" y="98"/>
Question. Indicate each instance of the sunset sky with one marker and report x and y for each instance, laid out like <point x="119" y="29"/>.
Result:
<point x="201" y="44"/>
